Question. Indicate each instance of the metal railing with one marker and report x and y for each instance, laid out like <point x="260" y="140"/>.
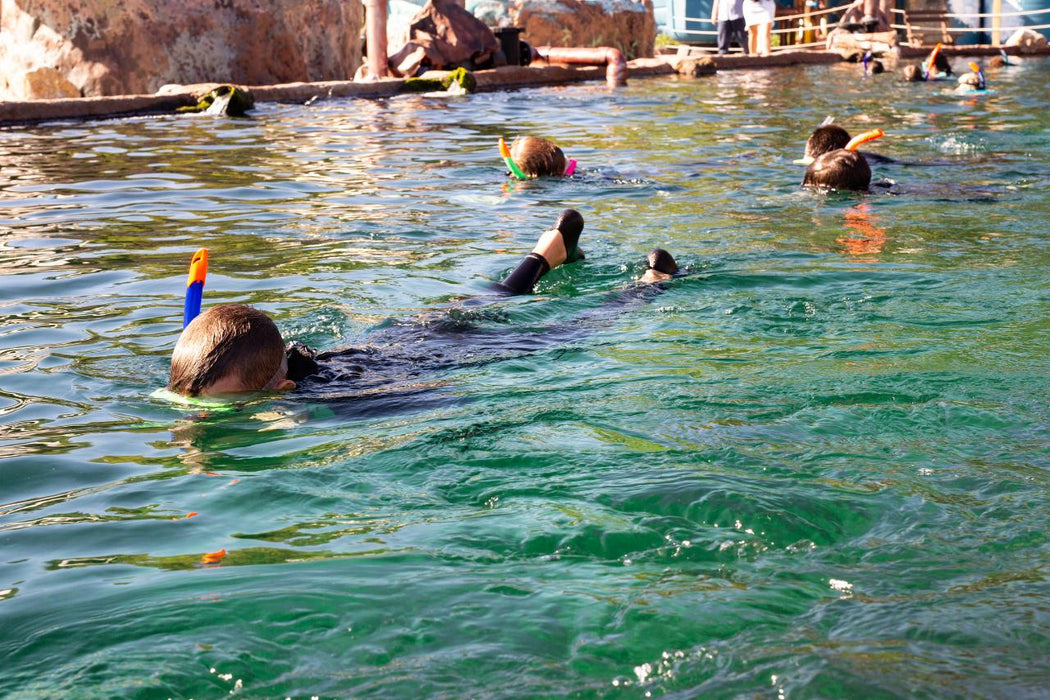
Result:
<point x="803" y="25"/>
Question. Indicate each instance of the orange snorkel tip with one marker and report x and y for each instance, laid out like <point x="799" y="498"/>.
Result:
<point x="198" y="267"/>
<point x="856" y="141"/>
<point x="195" y="286"/>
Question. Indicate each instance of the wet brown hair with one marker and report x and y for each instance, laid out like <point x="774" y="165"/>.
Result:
<point x="912" y="73"/>
<point x="537" y="157"/>
<point x="224" y="340"/>
<point x="825" y="139"/>
<point x="840" y="170"/>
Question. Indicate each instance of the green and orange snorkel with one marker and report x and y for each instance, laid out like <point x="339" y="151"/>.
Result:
<point x="517" y="172"/>
<point x="511" y="165"/>
<point x="856" y="141"/>
<point x="195" y="286"/>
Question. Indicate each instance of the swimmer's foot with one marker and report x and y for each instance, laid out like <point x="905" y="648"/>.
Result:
<point x="660" y="266"/>
<point x="559" y="244"/>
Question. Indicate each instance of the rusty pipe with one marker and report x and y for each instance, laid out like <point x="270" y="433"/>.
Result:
<point x="375" y="37"/>
<point x="613" y="60"/>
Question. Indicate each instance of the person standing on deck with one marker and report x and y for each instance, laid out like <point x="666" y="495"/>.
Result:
<point x="759" y="16"/>
<point x="728" y="16"/>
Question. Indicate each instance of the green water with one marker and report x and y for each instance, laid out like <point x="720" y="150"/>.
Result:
<point x="816" y="468"/>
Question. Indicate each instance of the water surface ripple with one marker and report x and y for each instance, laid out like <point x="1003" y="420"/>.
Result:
<point x="816" y="467"/>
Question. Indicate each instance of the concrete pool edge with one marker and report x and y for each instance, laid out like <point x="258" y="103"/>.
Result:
<point x="171" y="98"/>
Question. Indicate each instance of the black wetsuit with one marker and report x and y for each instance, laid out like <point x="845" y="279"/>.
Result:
<point x="401" y="351"/>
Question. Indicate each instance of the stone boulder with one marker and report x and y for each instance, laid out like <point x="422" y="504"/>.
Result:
<point x="1027" y="41"/>
<point x="627" y="25"/>
<point x="58" y="48"/>
<point x="443" y="35"/>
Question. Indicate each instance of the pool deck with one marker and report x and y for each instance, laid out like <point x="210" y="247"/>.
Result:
<point x="170" y="98"/>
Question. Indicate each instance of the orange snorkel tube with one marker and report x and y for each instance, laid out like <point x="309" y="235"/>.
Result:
<point x="195" y="286"/>
<point x="864" y="138"/>
<point x="928" y="64"/>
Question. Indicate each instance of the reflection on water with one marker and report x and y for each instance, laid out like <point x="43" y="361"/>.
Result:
<point x="817" y="464"/>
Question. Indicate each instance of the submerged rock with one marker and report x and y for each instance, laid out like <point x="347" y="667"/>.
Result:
<point x="57" y="48"/>
<point x="228" y="100"/>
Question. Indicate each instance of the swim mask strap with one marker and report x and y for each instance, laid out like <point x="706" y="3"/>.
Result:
<point x="856" y="141"/>
<point x="571" y="167"/>
<point x="511" y="165"/>
<point x="195" y="286"/>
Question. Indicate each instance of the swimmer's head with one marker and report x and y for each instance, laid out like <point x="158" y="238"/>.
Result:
<point x="941" y="64"/>
<point x="659" y="266"/>
<point x="839" y="170"/>
<point x="974" y="79"/>
<point x="1000" y="61"/>
<point x="877" y="67"/>
<point x="229" y="349"/>
<point x="537" y="157"/>
<point x="913" y="73"/>
<point x="824" y="139"/>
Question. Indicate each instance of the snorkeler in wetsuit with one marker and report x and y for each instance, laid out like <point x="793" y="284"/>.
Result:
<point x="235" y="349"/>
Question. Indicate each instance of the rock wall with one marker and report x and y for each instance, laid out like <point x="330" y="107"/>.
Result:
<point x="64" y="48"/>
<point x="627" y="25"/>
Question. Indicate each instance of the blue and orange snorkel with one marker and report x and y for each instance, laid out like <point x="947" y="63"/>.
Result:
<point x="195" y="286"/>
<point x="980" y="75"/>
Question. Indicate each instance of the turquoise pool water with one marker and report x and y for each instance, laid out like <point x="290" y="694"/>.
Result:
<point x="818" y="467"/>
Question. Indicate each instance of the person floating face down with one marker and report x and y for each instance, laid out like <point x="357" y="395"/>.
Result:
<point x="235" y="349"/>
<point x="534" y="157"/>
<point x="842" y="168"/>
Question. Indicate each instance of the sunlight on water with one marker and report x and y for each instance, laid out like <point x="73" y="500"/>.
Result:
<point x="816" y="465"/>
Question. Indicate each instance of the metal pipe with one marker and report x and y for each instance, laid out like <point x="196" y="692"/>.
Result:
<point x="375" y="37"/>
<point x="613" y="60"/>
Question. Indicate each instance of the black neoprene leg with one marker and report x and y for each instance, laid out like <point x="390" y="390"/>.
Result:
<point x="534" y="266"/>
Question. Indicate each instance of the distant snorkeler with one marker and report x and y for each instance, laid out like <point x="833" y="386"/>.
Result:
<point x="1000" y="61"/>
<point x="973" y="81"/>
<point x="934" y="67"/>
<point x="843" y="168"/>
<point x="530" y="157"/>
<point x="871" y="64"/>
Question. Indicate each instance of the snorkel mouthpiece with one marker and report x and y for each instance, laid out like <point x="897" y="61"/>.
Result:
<point x="511" y="165"/>
<point x="195" y="286"/>
<point x="856" y="141"/>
